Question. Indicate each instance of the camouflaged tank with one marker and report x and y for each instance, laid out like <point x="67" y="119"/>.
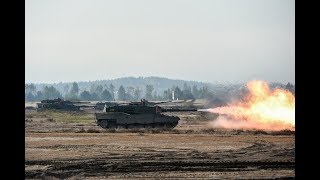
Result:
<point x="135" y="115"/>
<point x="57" y="104"/>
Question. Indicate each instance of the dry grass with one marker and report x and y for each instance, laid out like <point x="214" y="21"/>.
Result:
<point x="93" y="131"/>
<point x="189" y="131"/>
<point x="63" y="116"/>
<point x="256" y="132"/>
<point x="28" y="116"/>
<point x="209" y="131"/>
<point x="283" y="132"/>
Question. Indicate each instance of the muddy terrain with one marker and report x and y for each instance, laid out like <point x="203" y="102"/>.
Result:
<point x="70" y="145"/>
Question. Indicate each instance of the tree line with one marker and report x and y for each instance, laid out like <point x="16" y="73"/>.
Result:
<point x="111" y="93"/>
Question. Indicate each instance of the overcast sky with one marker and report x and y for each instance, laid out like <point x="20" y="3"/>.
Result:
<point x="202" y="40"/>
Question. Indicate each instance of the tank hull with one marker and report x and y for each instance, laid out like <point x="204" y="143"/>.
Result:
<point x="110" y="120"/>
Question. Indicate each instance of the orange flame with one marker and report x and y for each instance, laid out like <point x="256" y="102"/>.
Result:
<point x="262" y="109"/>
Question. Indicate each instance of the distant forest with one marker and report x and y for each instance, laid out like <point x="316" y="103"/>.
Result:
<point x="132" y="89"/>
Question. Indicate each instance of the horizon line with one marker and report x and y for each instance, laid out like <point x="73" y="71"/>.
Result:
<point x="112" y="79"/>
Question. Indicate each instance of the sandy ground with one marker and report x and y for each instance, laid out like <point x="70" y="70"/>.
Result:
<point x="66" y="150"/>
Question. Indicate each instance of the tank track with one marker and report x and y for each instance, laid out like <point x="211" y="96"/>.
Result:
<point x="105" y="125"/>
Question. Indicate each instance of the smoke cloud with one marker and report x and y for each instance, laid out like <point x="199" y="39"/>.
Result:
<point x="261" y="109"/>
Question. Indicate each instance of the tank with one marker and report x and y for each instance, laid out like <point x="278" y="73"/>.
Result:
<point x="135" y="115"/>
<point x="57" y="104"/>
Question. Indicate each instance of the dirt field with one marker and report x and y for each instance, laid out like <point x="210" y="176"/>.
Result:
<point x="57" y="146"/>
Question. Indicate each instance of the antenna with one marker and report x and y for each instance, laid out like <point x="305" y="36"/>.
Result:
<point x="172" y="95"/>
<point x="105" y="108"/>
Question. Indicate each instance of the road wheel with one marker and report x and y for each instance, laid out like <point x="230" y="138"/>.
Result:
<point x="149" y="126"/>
<point x="139" y="126"/>
<point x="103" y="124"/>
<point x="168" y="126"/>
<point x="121" y="126"/>
<point x="131" y="126"/>
<point x="159" y="125"/>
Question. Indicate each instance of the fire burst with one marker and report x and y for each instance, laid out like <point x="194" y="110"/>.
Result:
<point x="262" y="109"/>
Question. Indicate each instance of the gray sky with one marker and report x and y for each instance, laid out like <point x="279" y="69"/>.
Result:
<point x="202" y="40"/>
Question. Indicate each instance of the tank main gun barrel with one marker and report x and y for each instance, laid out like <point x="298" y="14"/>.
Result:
<point x="176" y="110"/>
